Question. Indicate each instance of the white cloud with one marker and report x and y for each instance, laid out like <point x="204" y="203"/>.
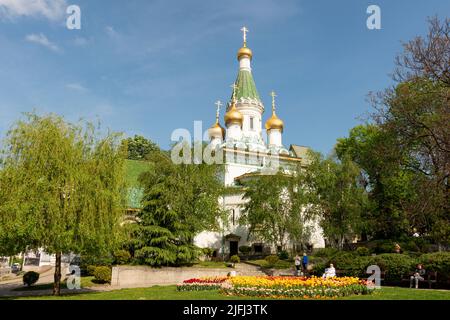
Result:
<point x="76" y="87"/>
<point x="111" y="32"/>
<point x="42" y="40"/>
<point x="49" y="9"/>
<point x="80" y="41"/>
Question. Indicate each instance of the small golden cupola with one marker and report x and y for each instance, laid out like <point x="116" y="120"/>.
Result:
<point x="233" y="115"/>
<point x="216" y="130"/>
<point x="274" y="122"/>
<point x="244" y="51"/>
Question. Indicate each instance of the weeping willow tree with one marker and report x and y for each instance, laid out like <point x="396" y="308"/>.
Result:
<point x="61" y="189"/>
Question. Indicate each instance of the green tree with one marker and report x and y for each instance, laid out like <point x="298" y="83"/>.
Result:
<point x="274" y="208"/>
<point x="387" y="182"/>
<point x="179" y="202"/>
<point x="336" y="196"/>
<point x="139" y="148"/>
<point x="61" y="189"/>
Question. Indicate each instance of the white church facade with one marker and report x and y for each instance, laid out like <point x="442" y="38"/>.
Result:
<point x="248" y="154"/>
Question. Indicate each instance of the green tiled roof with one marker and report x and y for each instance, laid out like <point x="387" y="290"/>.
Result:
<point x="135" y="192"/>
<point x="246" y="86"/>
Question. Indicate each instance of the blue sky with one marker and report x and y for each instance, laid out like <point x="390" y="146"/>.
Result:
<point x="149" y="67"/>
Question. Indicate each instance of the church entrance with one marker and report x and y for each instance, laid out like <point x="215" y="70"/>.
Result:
<point x="234" y="248"/>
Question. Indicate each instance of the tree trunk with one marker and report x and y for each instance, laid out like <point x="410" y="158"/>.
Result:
<point x="57" y="276"/>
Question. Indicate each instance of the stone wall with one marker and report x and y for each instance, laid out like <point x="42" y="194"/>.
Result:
<point x="142" y="276"/>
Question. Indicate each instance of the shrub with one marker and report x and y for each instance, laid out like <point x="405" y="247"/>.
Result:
<point x="245" y="249"/>
<point x="235" y="259"/>
<point x="272" y="260"/>
<point x="102" y="274"/>
<point x="384" y="246"/>
<point x="208" y="252"/>
<point x="394" y="264"/>
<point x="283" y="255"/>
<point x="363" y="251"/>
<point x="325" y="252"/>
<point x="437" y="261"/>
<point x="122" y="257"/>
<point x="30" y="278"/>
<point x="90" y="270"/>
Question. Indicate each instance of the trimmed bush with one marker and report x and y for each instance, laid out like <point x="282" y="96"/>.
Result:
<point x="235" y="259"/>
<point x="394" y="264"/>
<point x="102" y="274"/>
<point x="272" y="260"/>
<point x="245" y="249"/>
<point x="30" y="278"/>
<point x="122" y="257"/>
<point x="439" y="262"/>
<point x="325" y="252"/>
<point x="90" y="270"/>
<point x="283" y="255"/>
<point x="363" y="251"/>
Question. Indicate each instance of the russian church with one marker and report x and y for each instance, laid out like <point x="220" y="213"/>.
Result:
<point x="247" y="155"/>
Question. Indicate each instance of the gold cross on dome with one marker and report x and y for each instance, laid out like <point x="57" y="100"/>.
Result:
<point x="218" y="104"/>
<point x="234" y="87"/>
<point x="273" y="94"/>
<point x="244" y="32"/>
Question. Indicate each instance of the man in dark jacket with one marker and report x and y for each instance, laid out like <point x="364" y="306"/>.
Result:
<point x="419" y="275"/>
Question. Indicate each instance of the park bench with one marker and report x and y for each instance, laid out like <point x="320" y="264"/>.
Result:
<point x="430" y="278"/>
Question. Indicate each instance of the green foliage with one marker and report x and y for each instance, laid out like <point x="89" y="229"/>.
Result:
<point x="394" y="264"/>
<point x="179" y="202"/>
<point x="235" y="259"/>
<point x="283" y="255"/>
<point x="245" y="249"/>
<point x="272" y="260"/>
<point x="437" y="261"/>
<point x="122" y="256"/>
<point x="326" y="252"/>
<point x="90" y="269"/>
<point x="363" y="251"/>
<point x="30" y="278"/>
<point x="336" y="197"/>
<point x="208" y="252"/>
<point x="274" y="207"/>
<point x="102" y="274"/>
<point x="61" y="188"/>
<point x="139" y="148"/>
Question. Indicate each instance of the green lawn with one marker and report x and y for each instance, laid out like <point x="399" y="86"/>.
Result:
<point x="281" y="264"/>
<point x="170" y="293"/>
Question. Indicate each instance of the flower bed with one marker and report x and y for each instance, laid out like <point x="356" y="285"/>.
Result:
<point x="295" y="287"/>
<point x="279" y="287"/>
<point x="198" y="284"/>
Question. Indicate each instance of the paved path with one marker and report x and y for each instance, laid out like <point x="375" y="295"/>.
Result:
<point x="7" y="287"/>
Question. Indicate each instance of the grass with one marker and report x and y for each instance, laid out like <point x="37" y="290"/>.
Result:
<point x="210" y="264"/>
<point x="281" y="264"/>
<point x="86" y="282"/>
<point x="170" y="293"/>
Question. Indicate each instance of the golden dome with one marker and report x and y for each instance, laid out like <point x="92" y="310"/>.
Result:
<point x="233" y="115"/>
<point x="216" y="130"/>
<point x="244" y="51"/>
<point x="274" y="123"/>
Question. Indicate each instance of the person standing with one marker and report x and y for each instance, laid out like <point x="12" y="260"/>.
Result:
<point x="297" y="262"/>
<point x="305" y="261"/>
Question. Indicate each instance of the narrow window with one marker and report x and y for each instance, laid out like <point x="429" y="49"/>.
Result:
<point x="233" y="217"/>
<point x="251" y="123"/>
